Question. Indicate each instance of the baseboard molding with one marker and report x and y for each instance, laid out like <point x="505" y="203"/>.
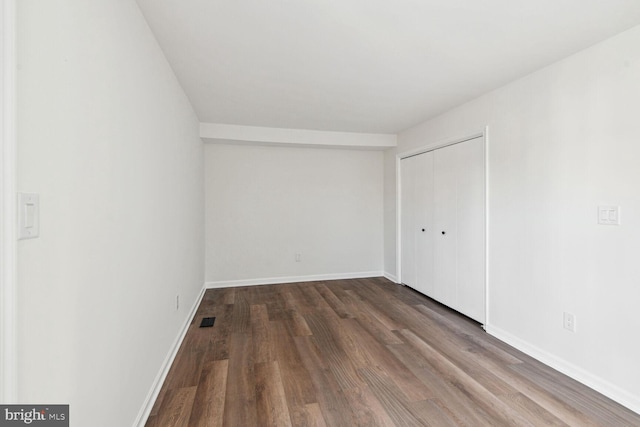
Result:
<point x="391" y="277"/>
<point x="598" y="384"/>
<point x="141" y="419"/>
<point x="291" y="279"/>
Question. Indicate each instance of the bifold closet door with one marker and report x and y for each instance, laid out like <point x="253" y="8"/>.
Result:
<point x="459" y="223"/>
<point x="471" y="230"/>
<point x="445" y="225"/>
<point x="416" y="175"/>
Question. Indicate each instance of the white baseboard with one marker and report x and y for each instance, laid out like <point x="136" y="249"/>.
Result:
<point x="613" y="392"/>
<point x="147" y="406"/>
<point x="391" y="277"/>
<point x="291" y="279"/>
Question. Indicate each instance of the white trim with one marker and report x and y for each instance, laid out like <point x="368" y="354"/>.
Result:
<point x="291" y="279"/>
<point x="8" y="244"/>
<point x="150" y="400"/>
<point x="487" y="235"/>
<point x="600" y="385"/>
<point x="430" y="147"/>
<point x="224" y="133"/>
<point x="439" y="144"/>
<point x="391" y="277"/>
<point x="398" y="220"/>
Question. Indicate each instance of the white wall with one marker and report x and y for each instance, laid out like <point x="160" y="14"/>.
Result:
<point x="390" y="218"/>
<point x="562" y="141"/>
<point x="264" y="204"/>
<point x="110" y="142"/>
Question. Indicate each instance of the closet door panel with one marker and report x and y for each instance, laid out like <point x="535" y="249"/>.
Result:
<point x="445" y="227"/>
<point x="470" y="298"/>
<point x="407" y="221"/>
<point x="424" y="223"/>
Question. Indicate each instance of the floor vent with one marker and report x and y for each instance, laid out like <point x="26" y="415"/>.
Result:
<point x="207" y="322"/>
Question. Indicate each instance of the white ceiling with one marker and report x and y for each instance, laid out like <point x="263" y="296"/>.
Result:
<point x="376" y="66"/>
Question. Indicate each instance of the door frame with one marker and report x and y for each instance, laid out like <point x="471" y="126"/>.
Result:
<point x="484" y="133"/>
<point x="8" y="204"/>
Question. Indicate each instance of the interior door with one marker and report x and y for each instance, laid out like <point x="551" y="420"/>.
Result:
<point x="424" y="223"/>
<point x="470" y="298"/>
<point x="408" y="196"/>
<point x="416" y="176"/>
<point x="445" y="225"/>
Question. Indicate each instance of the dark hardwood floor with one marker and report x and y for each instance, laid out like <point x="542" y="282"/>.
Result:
<point x="362" y="352"/>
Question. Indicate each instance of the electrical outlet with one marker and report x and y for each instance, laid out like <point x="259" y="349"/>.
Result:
<point x="177" y="302"/>
<point x="569" y="322"/>
<point x="298" y="257"/>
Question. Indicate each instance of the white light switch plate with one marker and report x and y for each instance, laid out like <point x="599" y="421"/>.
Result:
<point x="609" y="215"/>
<point x="28" y="215"/>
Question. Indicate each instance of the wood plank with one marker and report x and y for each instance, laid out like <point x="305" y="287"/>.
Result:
<point x="477" y="340"/>
<point x="297" y="383"/>
<point x="595" y="406"/>
<point x="376" y="356"/>
<point x="221" y="335"/>
<point x="298" y="324"/>
<point x="241" y="321"/>
<point x="208" y="405"/>
<point x="329" y="343"/>
<point x="240" y="397"/>
<point x="366" y="307"/>
<point x="229" y="297"/>
<point x="263" y="350"/>
<point x="541" y="396"/>
<point x="455" y="376"/>
<point x="187" y="369"/>
<point x="271" y="402"/>
<point x="367" y="409"/>
<point x="335" y="409"/>
<point x="456" y="348"/>
<point x="176" y="407"/>
<point x="333" y="301"/>
<point x="531" y="410"/>
<point x="453" y="402"/>
<point x="432" y="413"/>
<point x="315" y="299"/>
<point x="314" y="416"/>
<point x="370" y="322"/>
<point x="339" y="287"/>
<point x="387" y="393"/>
<point x="299" y="298"/>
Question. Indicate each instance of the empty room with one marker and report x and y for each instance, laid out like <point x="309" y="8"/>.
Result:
<point x="320" y="213"/>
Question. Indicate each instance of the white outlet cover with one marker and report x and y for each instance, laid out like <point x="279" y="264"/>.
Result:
<point x="609" y="215"/>
<point x="569" y="322"/>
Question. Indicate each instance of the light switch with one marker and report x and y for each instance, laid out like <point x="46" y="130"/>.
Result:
<point x="609" y="215"/>
<point x="28" y="215"/>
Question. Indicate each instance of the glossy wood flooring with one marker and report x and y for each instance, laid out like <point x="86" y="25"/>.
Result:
<point x="360" y="353"/>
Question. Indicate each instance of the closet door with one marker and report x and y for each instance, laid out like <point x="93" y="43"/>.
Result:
<point x="417" y="222"/>
<point x="459" y="226"/>
<point x="471" y="229"/>
<point x="408" y="236"/>
<point x="445" y="225"/>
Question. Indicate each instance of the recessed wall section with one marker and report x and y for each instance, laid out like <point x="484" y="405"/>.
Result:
<point x="289" y="212"/>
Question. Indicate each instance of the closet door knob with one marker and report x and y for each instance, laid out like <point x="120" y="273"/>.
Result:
<point x="423" y="230"/>
<point x="443" y="233"/>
